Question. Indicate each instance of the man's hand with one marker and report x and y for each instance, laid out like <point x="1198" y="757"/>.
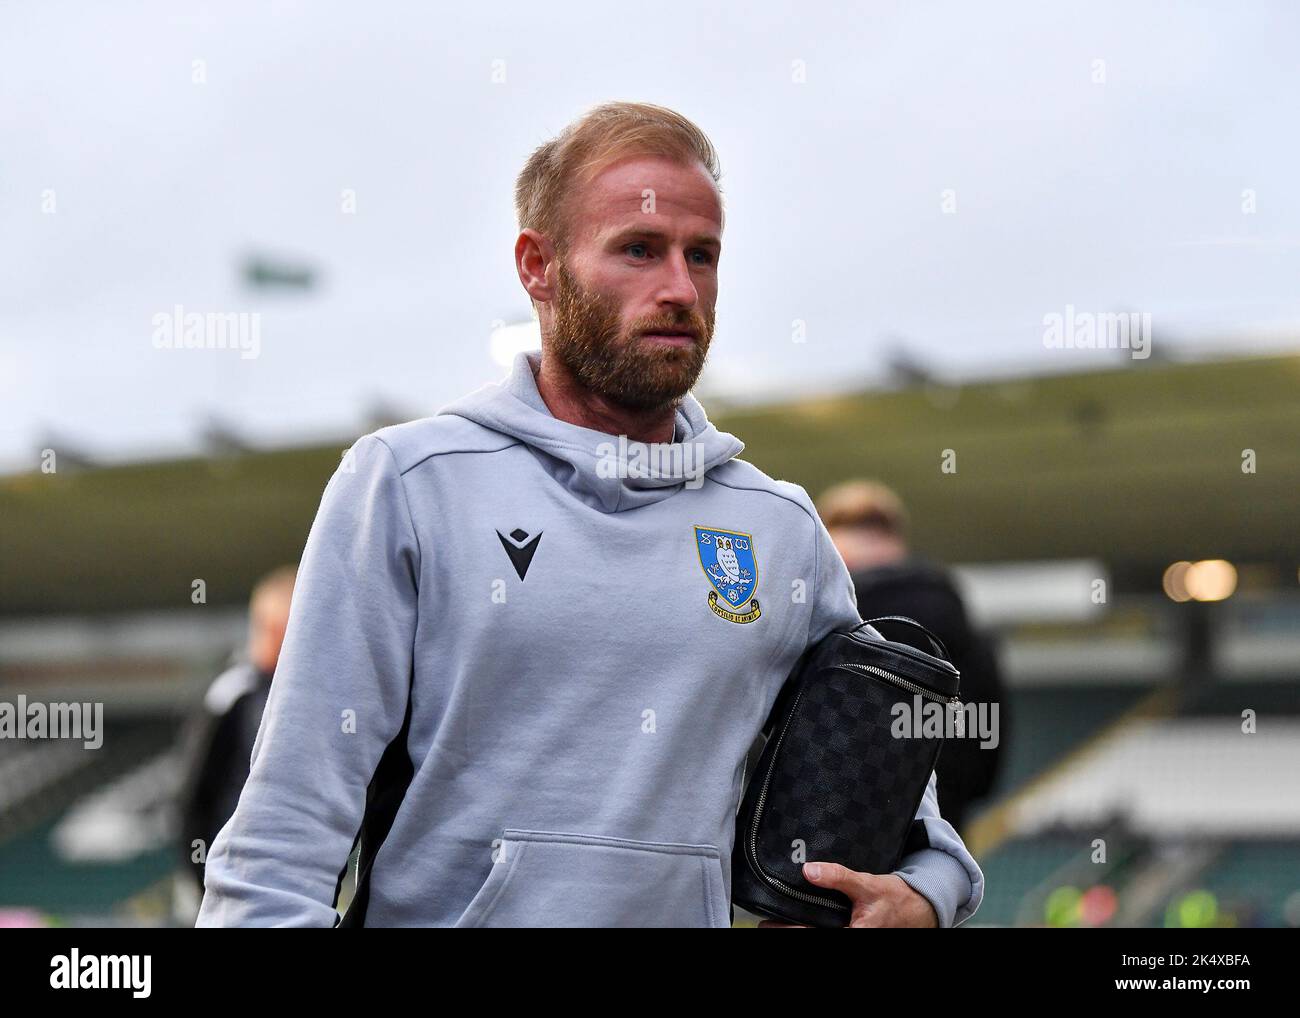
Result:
<point x="877" y="900"/>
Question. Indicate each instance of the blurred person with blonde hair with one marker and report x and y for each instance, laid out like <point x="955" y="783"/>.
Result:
<point x="218" y="743"/>
<point x="869" y="524"/>
<point x="866" y="521"/>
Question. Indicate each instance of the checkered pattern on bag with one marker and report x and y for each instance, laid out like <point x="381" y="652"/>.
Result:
<point x="842" y="783"/>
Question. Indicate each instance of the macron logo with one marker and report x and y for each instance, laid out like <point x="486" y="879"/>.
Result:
<point x="520" y="546"/>
<point x="102" y="972"/>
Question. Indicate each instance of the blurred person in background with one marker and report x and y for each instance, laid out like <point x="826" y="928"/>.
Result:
<point x="868" y="523"/>
<point x="219" y="738"/>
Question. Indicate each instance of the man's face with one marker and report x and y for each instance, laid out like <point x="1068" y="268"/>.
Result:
<point x="269" y="621"/>
<point x="633" y="313"/>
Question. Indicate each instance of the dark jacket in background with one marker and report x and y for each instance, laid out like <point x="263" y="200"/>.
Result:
<point x="923" y="591"/>
<point x="218" y="751"/>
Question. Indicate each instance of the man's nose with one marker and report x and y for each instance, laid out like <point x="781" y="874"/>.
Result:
<point x="676" y="286"/>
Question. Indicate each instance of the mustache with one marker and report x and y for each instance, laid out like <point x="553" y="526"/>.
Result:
<point x="695" y="327"/>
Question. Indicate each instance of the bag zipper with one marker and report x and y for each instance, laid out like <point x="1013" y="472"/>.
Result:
<point x="752" y="846"/>
<point x="898" y="680"/>
<point x="906" y="650"/>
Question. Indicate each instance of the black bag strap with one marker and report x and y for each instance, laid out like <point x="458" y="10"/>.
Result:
<point x="935" y="643"/>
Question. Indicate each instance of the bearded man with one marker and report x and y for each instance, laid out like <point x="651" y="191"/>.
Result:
<point x="523" y="674"/>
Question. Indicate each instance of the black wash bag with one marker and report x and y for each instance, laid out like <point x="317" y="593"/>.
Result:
<point x="834" y="783"/>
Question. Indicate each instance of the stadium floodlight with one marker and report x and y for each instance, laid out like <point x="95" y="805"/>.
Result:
<point x="1173" y="581"/>
<point x="1211" y="580"/>
<point x="509" y="340"/>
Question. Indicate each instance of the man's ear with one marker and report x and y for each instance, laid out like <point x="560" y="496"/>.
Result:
<point x="534" y="256"/>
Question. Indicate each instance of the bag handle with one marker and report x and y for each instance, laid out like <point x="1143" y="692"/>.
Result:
<point x="903" y="620"/>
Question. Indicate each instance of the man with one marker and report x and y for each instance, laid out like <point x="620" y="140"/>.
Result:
<point x="220" y="739"/>
<point x="537" y="633"/>
<point x="868" y="523"/>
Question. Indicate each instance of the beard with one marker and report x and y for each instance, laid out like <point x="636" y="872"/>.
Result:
<point x="589" y="340"/>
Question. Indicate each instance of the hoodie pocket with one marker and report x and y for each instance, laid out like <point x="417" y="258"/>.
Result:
<point x="545" y="878"/>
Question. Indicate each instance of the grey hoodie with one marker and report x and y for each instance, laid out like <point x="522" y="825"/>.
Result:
<point x="528" y="684"/>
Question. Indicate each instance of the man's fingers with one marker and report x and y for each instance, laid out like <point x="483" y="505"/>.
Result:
<point x="840" y="878"/>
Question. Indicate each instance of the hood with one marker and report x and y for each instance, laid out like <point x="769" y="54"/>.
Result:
<point x="607" y="472"/>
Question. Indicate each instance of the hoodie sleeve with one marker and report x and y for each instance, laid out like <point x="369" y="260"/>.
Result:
<point x="944" y="873"/>
<point x="338" y="698"/>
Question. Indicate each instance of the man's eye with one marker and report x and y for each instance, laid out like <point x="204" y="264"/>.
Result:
<point x="706" y="257"/>
<point x="632" y="249"/>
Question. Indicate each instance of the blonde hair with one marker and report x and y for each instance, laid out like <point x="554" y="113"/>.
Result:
<point x="600" y="137"/>
<point x="275" y="588"/>
<point x="863" y="504"/>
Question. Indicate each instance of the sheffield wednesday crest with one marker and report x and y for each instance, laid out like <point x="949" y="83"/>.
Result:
<point x="727" y="558"/>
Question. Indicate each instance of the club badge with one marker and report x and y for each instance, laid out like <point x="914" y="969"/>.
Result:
<point x="727" y="558"/>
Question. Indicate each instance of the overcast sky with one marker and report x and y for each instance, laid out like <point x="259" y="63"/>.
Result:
<point x="1099" y="155"/>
